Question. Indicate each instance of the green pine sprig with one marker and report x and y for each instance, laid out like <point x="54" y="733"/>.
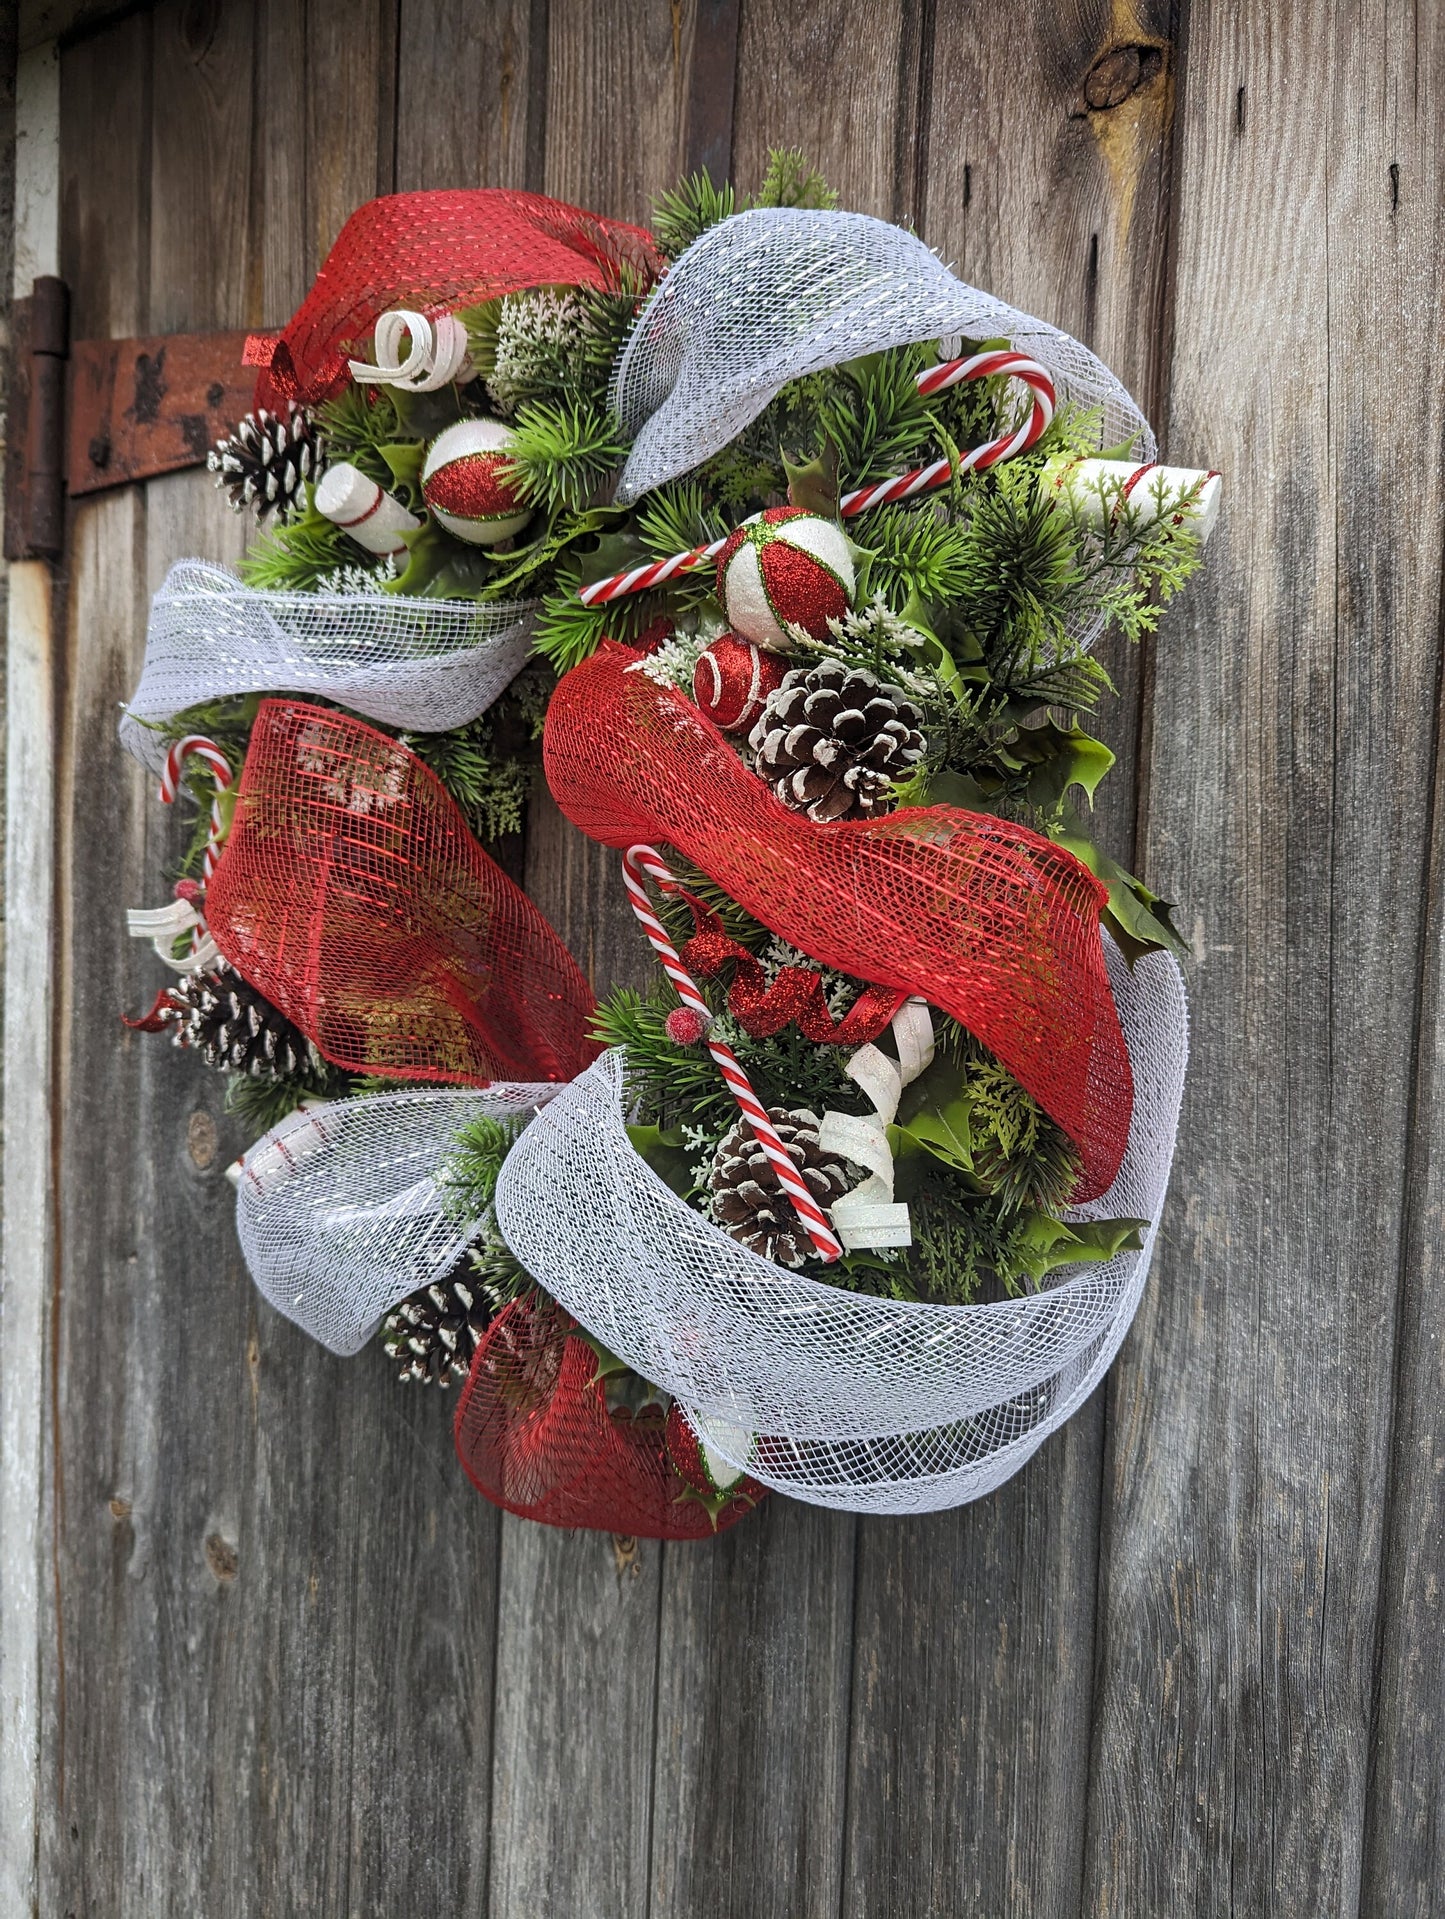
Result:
<point x="563" y="452"/>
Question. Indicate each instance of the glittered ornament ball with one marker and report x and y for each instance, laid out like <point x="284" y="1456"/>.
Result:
<point x="464" y="483"/>
<point x="709" y="1475"/>
<point x="784" y="565"/>
<point x="732" y="680"/>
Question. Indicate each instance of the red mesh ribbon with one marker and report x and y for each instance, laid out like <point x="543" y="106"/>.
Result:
<point x="535" y="1435"/>
<point x="433" y="252"/>
<point x="352" y="894"/>
<point x="990" y="922"/>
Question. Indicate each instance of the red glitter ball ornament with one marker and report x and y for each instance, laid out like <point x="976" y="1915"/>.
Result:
<point x="785" y="567"/>
<point x="466" y="485"/>
<point x="685" y="1026"/>
<point x="732" y="680"/>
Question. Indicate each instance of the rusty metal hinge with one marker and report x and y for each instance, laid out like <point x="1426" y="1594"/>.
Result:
<point x="101" y="413"/>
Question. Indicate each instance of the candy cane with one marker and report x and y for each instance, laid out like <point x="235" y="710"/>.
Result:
<point x="207" y="750"/>
<point x="194" y="744"/>
<point x="1019" y="367"/>
<point x="638" y="861"/>
<point x="978" y="366"/>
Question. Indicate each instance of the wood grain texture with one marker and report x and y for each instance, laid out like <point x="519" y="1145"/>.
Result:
<point x="1291" y="745"/>
<point x="750" y="1770"/>
<point x="467" y="94"/>
<point x="833" y="79"/>
<point x="617" y="88"/>
<point x="1404" y="1865"/>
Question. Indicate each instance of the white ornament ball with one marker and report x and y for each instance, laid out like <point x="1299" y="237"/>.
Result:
<point x="464" y="483"/>
<point x="785" y="565"/>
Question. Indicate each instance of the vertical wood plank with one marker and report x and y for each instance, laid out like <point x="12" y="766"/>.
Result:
<point x="753" y="1683"/>
<point x="832" y="79"/>
<point x="1291" y="740"/>
<point x="974" y="1631"/>
<point x="105" y="99"/>
<point x="29" y="246"/>
<point x="470" y="87"/>
<point x="1404" y="1866"/>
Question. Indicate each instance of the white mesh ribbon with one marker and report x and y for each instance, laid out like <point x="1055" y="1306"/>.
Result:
<point x="768" y="295"/>
<point x="423" y="665"/>
<point x="339" y="1211"/>
<point x="870" y="1405"/>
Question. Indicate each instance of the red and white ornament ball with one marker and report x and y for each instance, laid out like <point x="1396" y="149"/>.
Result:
<point x="732" y="680"/>
<point x="785" y="565"/>
<point x="464" y="483"/>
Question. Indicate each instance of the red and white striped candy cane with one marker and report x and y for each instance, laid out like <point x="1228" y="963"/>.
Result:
<point x="207" y="750"/>
<point x="638" y="861"/>
<point x="639" y="578"/>
<point x="978" y="366"/>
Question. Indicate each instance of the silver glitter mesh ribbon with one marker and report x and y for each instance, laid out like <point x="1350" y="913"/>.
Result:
<point x="339" y="1208"/>
<point x="837" y="1398"/>
<point x="422" y="665"/>
<point x="769" y="295"/>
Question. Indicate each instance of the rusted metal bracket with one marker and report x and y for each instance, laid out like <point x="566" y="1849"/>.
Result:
<point x="102" y="413"/>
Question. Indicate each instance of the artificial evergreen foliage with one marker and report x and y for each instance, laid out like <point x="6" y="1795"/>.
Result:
<point x="563" y="451"/>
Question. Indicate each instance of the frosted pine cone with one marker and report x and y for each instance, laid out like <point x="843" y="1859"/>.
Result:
<point x="433" y="1332"/>
<point x="265" y="463"/>
<point x="748" y="1199"/>
<point x="224" y="1019"/>
<point x="833" y="740"/>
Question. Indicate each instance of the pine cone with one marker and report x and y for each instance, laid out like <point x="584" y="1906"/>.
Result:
<point x="264" y="463"/>
<point x="748" y="1199"/>
<point x="433" y="1332"/>
<point x="832" y="740"/>
<point x="233" y="1026"/>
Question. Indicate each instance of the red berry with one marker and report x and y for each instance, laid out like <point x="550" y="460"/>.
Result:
<point x="685" y="1026"/>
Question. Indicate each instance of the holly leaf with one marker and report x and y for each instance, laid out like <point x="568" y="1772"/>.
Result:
<point x="404" y="461"/>
<point x="519" y="569"/>
<point x="1057" y="758"/>
<point x="814" y="485"/>
<point x="1045" y="1243"/>
<point x="439" y="567"/>
<point x="935" y="1117"/>
<point x="615" y="552"/>
<point x="1140" y="921"/>
<point x="423" y="415"/>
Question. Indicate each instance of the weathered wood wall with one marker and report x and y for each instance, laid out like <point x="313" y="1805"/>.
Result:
<point x="1190" y="1661"/>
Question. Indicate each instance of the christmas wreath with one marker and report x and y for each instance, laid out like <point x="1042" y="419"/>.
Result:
<point x="792" y="549"/>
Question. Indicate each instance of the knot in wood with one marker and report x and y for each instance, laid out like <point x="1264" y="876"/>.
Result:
<point x="1120" y="72"/>
<point x="222" y="1557"/>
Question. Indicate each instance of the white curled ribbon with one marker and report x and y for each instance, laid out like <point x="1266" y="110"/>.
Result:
<point x="164" y="925"/>
<point x="438" y="353"/>
<point x="868" y="1216"/>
